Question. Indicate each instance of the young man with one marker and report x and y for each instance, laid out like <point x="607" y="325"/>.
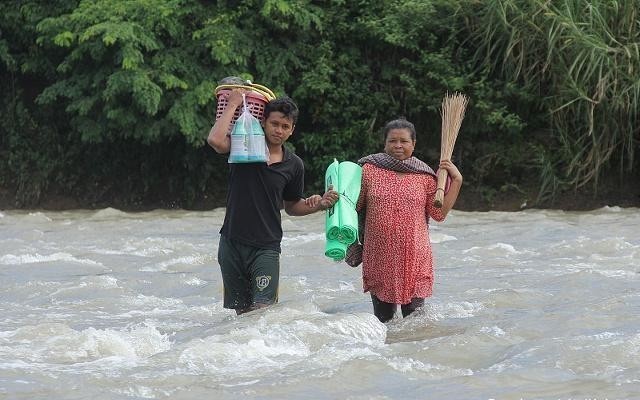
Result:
<point x="249" y="249"/>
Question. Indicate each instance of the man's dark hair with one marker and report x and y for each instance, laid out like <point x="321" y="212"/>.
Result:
<point x="285" y="105"/>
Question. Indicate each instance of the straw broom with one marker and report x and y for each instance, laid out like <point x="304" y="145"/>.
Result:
<point x="453" y="107"/>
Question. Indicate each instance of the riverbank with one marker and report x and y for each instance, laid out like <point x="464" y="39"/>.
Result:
<point x="516" y="199"/>
<point x="471" y="199"/>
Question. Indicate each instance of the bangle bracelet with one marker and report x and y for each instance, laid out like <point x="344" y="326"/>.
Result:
<point x="439" y="189"/>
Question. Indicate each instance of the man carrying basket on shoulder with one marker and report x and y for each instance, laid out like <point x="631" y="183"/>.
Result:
<point x="250" y="237"/>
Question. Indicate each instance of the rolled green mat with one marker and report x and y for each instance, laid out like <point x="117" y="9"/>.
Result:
<point x="342" y="218"/>
<point x="332" y="219"/>
<point x="335" y="250"/>
<point x="349" y="181"/>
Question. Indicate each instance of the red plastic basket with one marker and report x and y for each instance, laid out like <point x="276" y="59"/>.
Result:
<point x="255" y="103"/>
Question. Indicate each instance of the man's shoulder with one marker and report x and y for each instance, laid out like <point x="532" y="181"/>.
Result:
<point x="297" y="159"/>
<point x="290" y="155"/>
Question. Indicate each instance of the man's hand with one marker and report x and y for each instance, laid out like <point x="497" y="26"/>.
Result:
<point x="219" y="134"/>
<point x="324" y="202"/>
<point x="329" y="198"/>
<point x="313" y="201"/>
<point x="234" y="98"/>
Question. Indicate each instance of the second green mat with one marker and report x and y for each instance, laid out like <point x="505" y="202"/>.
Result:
<point x="342" y="219"/>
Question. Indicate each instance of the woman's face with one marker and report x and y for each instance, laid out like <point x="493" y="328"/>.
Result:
<point x="399" y="144"/>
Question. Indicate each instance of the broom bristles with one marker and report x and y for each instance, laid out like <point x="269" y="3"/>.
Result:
<point x="453" y="109"/>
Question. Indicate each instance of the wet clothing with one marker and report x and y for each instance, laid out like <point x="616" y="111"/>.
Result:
<point x="383" y="160"/>
<point x="249" y="250"/>
<point x="250" y="274"/>
<point x="397" y="262"/>
<point x="255" y="198"/>
<point x="386" y="311"/>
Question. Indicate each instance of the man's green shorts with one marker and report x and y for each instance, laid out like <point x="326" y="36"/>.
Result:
<point x="250" y="274"/>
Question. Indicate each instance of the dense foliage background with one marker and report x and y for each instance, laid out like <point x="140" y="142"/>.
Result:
<point x="113" y="99"/>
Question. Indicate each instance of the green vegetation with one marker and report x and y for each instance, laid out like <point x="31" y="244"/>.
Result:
<point x="114" y="98"/>
<point x="582" y="60"/>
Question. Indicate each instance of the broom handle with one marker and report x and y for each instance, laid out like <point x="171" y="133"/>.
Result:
<point x="442" y="181"/>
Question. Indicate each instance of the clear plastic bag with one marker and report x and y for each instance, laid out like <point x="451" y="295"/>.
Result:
<point x="248" y="143"/>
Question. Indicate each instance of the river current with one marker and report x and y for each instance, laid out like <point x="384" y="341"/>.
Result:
<point x="536" y="304"/>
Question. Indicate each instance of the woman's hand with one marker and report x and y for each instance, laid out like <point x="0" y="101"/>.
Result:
<point x="453" y="171"/>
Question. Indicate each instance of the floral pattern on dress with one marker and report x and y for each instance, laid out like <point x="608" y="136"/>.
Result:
<point x="397" y="260"/>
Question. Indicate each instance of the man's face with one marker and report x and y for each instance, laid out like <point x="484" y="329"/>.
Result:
<point x="277" y="128"/>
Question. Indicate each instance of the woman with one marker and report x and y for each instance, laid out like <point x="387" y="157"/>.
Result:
<point x="396" y="200"/>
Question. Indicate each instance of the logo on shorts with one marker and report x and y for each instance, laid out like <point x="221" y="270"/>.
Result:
<point x="263" y="282"/>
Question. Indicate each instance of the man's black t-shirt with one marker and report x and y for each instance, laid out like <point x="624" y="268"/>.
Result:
<point x="256" y="194"/>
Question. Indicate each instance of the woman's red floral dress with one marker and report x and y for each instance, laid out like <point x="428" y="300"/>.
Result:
<point x="397" y="263"/>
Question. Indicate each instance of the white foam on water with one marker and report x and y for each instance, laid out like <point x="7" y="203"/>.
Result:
<point x="114" y="252"/>
<point x="138" y="392"/>
<point x="606" y="355"/>
<point x="147" y="247"/>
<point x="194" y="281"/>
<point x="584" y="268"/>
<point x="343" y="286"/>
<point x="59" y="343"/>
<point x="244" y="352"/>
<point x="291" y="238"/>
<point x="148" y="306"/>
<point x="14" y="364"/>
<point x="347" y="286"/>
<point x="633" y="347"/>
<point x="329" y="359"/>
<point x="493" y="331"/>
<point x="38" y="217"/>
<point x="11" y="259"/>
<point x="90" y="282"/>
<point x="619" y="274"/>
<point x="604" y="247"/>
<point x="109" y="213"/>
<point x="214" y="309"/>
<point x="355" y="328"/>
<point x="527" y="303"/>
<point x="613" y="209"/>
<point x="185" y="260"/>
<point x="451" y="310"/>
<point x="244" y="383"/>
<point x="497" y="250"/>
<point x="274" y="340"/>
<point x="435" y="237"/>
<point x="601" y="336"/>
<point x="156" y="308"/>
<point x="142" y="300"/>
<point x="37" y="285"/>
<point x="409" y="365"/>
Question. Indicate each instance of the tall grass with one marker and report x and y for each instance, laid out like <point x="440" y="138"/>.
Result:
<point x="582" y="58"/>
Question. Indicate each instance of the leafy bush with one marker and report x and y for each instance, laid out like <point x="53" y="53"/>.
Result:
<point x="114" y="98"/>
